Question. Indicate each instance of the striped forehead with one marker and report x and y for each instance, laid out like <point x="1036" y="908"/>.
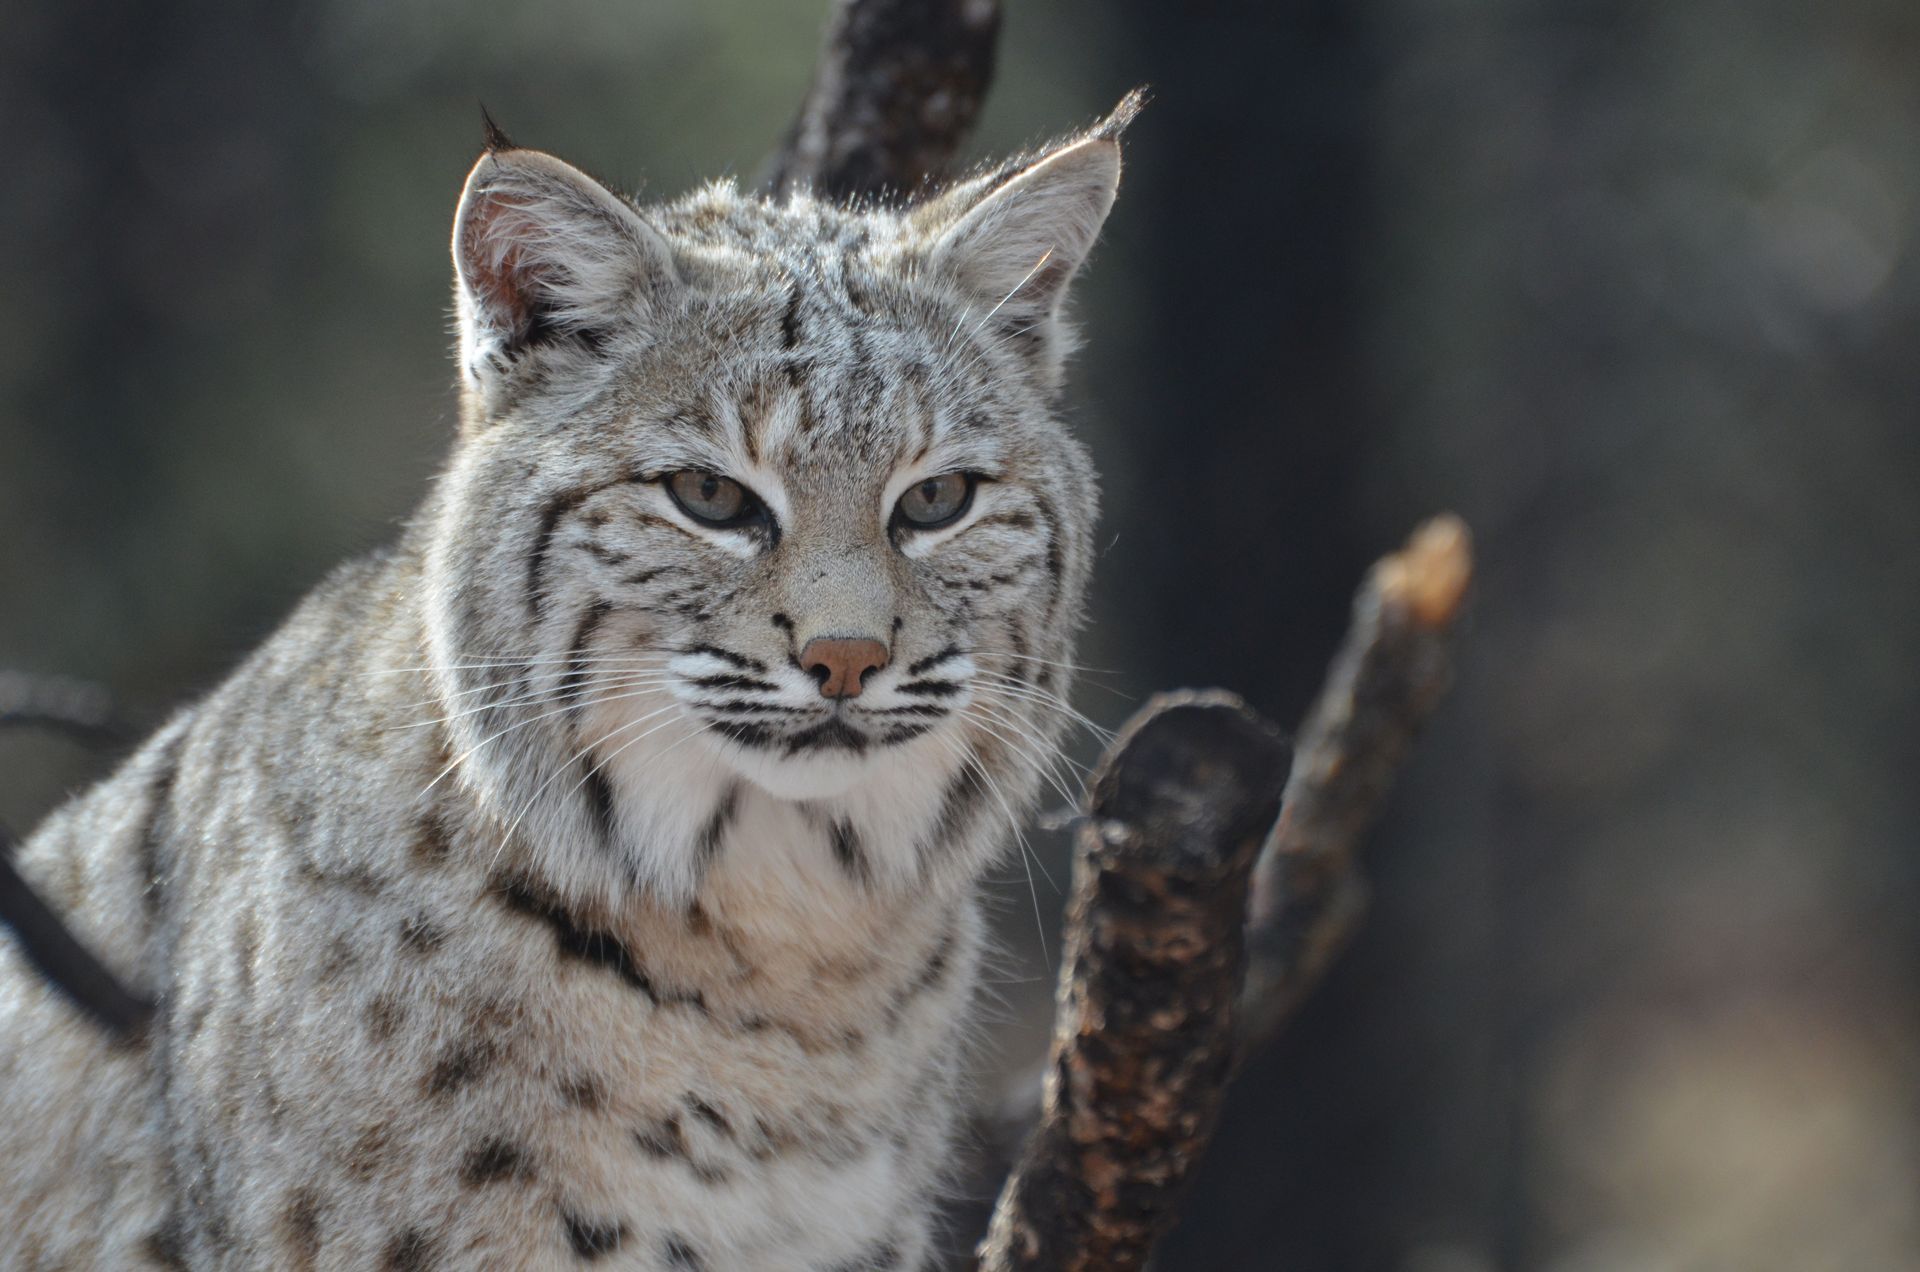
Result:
<point x="816" y="354"/>
<point x="847" y="380"/>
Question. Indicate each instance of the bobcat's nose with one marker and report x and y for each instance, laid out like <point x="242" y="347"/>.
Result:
<point x="839" y="663"/>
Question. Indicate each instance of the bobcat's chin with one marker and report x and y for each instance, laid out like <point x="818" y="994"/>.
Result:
<point x="830" y="758"/>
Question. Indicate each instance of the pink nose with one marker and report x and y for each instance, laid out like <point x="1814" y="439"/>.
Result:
<point x="839" y="664"/>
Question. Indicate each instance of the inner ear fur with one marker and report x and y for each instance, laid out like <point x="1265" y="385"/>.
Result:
<point x="542" y="251"/>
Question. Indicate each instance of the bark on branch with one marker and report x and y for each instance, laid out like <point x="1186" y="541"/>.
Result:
<point x="894" y="95"/>
<point x="1144" y="1039"/>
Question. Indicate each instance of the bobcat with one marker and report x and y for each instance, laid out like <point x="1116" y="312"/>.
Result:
<point x="591" y="876"/>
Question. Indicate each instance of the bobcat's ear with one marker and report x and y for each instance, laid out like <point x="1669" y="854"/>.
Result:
<point x="1015" y="245"/>
<point x="544" y="253"/>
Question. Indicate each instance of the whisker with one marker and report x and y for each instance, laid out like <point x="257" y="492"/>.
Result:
<point x="1029" y="757"/>
<point x="1009" y="711"/>
<point x="1041" y="759"/>
<point x="526" y="678"/>
<point x="521" y="724"/>
<point x="500" y="663"/>
<point x="539" y="695"/>
<point x="1076" y="668"/>
<point x="975" y="772"/>
<point x="1041" y="698"/>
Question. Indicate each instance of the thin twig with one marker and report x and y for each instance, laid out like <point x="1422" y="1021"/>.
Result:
<point x="85" y="712"/>
<point x="61" y="958"/>
<point x="80" y="709"/>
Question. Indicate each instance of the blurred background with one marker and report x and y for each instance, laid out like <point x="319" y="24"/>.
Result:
<point x="1634" y="287"/>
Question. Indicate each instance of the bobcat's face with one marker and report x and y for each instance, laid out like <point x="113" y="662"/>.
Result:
<point x="764" y="489"/>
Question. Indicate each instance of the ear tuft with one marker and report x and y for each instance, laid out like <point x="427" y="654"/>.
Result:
<point x="1123" y="114"/>
<point x="542" y="254"/>
<point x="497" y="139"/>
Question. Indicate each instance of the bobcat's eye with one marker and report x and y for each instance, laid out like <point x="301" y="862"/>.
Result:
<point x="937" y="501"/>
<point x="711" y="499"/>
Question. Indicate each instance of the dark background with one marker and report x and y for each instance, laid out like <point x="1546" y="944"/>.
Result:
<point x="1631" y="286"/>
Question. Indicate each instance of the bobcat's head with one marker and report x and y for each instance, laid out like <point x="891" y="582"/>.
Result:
<point x="763" y="495"/>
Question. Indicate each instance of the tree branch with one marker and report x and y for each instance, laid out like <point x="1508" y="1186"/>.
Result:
<point x="84" y="712"/>
<point x="895" y="93"/>
<point x="80" y="709"/>
<point x="50" y="947"/>
<point x="1391" y="672"/>
<point x="1144" y="1040"/>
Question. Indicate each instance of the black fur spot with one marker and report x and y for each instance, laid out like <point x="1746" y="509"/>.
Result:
<point x="432" y="840"/>
<point x="599" y="796"/>
<point x="931" y="688"/>
<point x="711" y="1116"/>
<point x="714" y="832"/>
<point x="583" y="634"/>
<point x="681" y="1255"/>
<point x="357" y="879"/>
<point x="663" y="1139"/>
<point x="959" y="806"/>
<point x="420" y="935"/>
<point x="834" y="734"/>
<point x="301" y="1224"/>
<point x="167" y="1247"/>
<point x="556" y="508"/>
<point x="604" y="555"/>
<point x="383" y="1015"/>
<point x="583" y="1091"/>
<point x="461" y="1063"/>
<point x="492" y="1160"/>
<point x="411" y="1251"/>
<point x="748" y="683"/>
<point x="746" y="733"/>
<point x="589" y="1239"/>
<point x="930" y="974"/>
<point x="849" y="853"/>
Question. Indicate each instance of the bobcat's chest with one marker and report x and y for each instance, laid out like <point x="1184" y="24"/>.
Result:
<point x="468" y="1060"/>
<point x="787" y="1102"/>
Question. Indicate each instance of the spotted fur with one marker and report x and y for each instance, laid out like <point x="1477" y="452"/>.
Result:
<point x="524" y="902"/>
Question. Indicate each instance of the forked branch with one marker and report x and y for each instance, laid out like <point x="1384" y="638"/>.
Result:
<point x="1172" y="971"/>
